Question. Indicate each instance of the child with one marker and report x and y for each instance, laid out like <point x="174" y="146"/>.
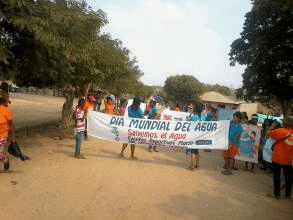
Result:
<point x="152" y="115"/>
<point x="123" y="107"/>
<point x="79" y="116"/>
<point x="235" y="131"/>
<point x="197" y="116"/>
<point x="110" y="107"/>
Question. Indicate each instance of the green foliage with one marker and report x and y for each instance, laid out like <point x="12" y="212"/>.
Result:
<point x="143" y="90"/>
<point x="37" y="37"/>
<point x="266" y="48"/>
<point x="224" y="90"/>
<point x="183" y="88"/>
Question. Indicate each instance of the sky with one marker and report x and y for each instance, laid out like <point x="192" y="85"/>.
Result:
<point x="170" y="37"/>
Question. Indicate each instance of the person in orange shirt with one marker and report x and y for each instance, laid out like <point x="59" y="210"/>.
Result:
<point x="88" y="105"/>
<point x="177" y="108"/>
<point x="282" y="156"/>
<point x="110" y="108"/>
<point x="6" y="128"/>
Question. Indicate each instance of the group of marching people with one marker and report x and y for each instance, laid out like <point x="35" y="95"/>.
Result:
<point x="282" y="152"/>
<point x="281" y="136"/>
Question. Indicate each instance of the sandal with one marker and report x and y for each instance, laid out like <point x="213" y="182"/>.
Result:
<point x="272" y="195"/>
<point x="191" y="168"/>
<point x="79" y="157"/>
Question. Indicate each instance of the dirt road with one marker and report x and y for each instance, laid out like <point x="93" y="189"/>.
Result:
<point x="54" y="185"/>
<point x="30" y="110"/>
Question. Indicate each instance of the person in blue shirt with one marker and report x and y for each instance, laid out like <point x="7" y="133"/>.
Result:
<point x="152" y="115"/>
<point x="197" y="116"/>
<point x="235" y="131"/>
<point x="212" y="115"/>
<point x="134" y="111"/>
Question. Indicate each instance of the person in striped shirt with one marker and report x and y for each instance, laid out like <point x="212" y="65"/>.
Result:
<point x="79" y="116"/>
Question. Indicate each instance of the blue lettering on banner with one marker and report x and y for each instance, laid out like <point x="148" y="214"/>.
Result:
<point x="149" y="124"/>
<point x="118" y="121"/>
<point x="203" y="142"/>
<point x="206" y="126"/>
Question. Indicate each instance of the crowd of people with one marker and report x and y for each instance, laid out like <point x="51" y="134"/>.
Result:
<point x="281" y="136"/>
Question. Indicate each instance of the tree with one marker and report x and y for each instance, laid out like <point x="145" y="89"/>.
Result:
<point x="58" y="44"/>
<point x="266" y="48"/>
<point x="144" y="90"/>
<point x="183" y="88"/>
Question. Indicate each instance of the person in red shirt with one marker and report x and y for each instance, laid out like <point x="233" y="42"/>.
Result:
<point x="123" y="107"/>
<point x="110" y="108"/>
<point x="6" y="128"/>
<point x="282" y="156"/>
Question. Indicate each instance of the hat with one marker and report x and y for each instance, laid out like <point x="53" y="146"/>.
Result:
<point x="238" y="114"/>
<point x="92" y="98"/>
<point x="254" y="117"/>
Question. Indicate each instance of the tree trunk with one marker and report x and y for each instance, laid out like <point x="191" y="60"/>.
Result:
<point x="67" y="112"/>
<point x="87" y="87"/>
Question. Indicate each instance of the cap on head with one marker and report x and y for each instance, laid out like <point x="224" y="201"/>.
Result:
<point x="92" y="98"/>
<point x="238" y="114"/>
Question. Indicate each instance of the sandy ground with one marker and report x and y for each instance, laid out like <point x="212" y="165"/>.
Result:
<point x="31" y="110"/>
<point x="54" y="185"/>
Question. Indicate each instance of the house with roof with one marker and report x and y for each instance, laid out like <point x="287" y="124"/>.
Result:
<point x="216" y="100"/>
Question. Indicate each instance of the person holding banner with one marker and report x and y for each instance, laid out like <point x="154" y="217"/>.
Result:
<point x="197" y="116"/>
<point x="152" y="115"/>
<point x="88" y="105"/>
<point x="110" y="107"/>
<point x="235" y="131"/>
<point x="123" y="107"/>
<point x="134" y="111"/>
<point x="282" y="157"/>
<point x="253" y="121"/>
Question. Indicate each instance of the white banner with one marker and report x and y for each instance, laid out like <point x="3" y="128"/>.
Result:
<point x="200" y="135"/>
<point x="174" y="115"/>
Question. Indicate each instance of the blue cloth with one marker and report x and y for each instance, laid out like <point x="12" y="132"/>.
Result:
<point x="194" y="151"/>
<point x="135" y="113"/>
<point x="153" y="113"/>
<point x="197" y="117"/>
<point x="209" y="116"/>
<point x="79" y="137"/>
<point x="233" y="130"/>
